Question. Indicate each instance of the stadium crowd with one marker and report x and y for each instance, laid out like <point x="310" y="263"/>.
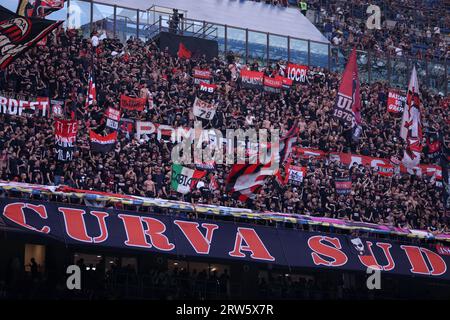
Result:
<point x="143" y="167"/>
<point x="414" y="28"/>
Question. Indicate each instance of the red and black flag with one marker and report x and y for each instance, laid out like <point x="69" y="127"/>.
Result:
<point x="101" y="143"/>
<point x="286" y="82"/>
<point x="252" y="79"/>
<point x="213" y="184"/>
<point x="38" y="8"/>
<point x="18" y="34"/>
<point x="126" y="126"/>
<point x="287" y="142"/>
<point x="208" y="88"/>
<point x="348" y="102"/>
<point x="201" y="75"/>
<point x="273" y="85"/>
<point x="131" y="103"/>
<point x="247" y="180"/>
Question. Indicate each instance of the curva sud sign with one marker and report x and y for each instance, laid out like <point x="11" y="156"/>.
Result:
<point x="220" y="240"/>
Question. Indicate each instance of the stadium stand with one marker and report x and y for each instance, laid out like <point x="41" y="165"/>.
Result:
<point x="138" y="168"/>
<point x="84" y="72"/>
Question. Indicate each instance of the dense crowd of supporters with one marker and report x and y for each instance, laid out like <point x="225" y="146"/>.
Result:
<point x="143" y="167"/>
<point x="414" y="28"/>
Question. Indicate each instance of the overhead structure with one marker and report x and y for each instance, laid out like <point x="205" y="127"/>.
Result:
<point x="256" y="16"/>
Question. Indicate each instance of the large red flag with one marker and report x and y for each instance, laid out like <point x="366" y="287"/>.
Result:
<point x="183" y="52"/>
<point x="348" y="102"/>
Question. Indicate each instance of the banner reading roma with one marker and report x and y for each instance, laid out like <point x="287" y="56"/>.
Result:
<point x="65" y="138"/>
<point x="132" y="104"/>
<point x="107" y="228"/>
<point x="18" y="34"/>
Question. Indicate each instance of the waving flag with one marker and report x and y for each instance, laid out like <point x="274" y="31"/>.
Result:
<point x="101" y="143"/>
<point x="348" y="102"/>
<point x="213" y="184"/>
<point x="183" y="179"/>
<point x="18" y="34"/>
<point x="411" y="128"/>
<point x="38" y="8"/>
<point x="92" y="92"/>
<point x="183" y="52"/>
<point x="246" y="180"/>
<point x="132" y="104"/>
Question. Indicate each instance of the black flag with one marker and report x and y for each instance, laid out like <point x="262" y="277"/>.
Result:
<point x="18" y="34"/>
<point x="38" y="8"/>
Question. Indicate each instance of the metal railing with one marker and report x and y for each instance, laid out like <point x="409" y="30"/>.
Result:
<point x="266" y="48"/>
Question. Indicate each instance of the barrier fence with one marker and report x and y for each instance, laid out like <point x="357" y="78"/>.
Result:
<point x="143" y="204"/>
<point x="251" y="45"/>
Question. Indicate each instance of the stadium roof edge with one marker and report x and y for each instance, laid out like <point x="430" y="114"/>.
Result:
<point x="256" y="16"/>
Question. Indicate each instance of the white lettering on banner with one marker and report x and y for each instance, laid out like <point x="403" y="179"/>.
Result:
<point x="396" y="102"/>
<point x="344" y="102"/>
<point x="181" y="133"/>
<point x="252" y="80"/>
<point x="350" y="159"/>
<point x="343" y="108"/>
<point x="113" y="124"/>
<point x="114" y="114"/>
<point x="206" y="87"/>
<point x="163" y="132"/>
<point x="296" y="73"/>
<point x="15" y="107"/>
